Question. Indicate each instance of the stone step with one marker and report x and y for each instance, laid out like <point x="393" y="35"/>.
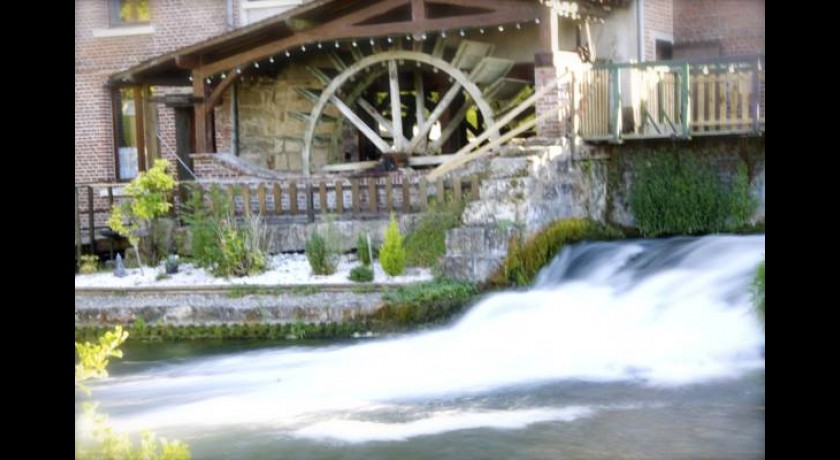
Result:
<point x="501" y="167"/>
<point x="485" y="241"/>
<point x="494" y="211"/>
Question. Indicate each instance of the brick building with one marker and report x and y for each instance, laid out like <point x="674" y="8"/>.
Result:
<point x="135" y="61"/>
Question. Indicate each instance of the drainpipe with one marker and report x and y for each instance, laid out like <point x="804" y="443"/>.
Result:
<point x="640" y="33"/>
<point x="230" y="24"/>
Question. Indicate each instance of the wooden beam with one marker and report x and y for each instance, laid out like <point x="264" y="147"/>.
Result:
<point x="202" y="140"/>
<point x="371" y="110"/>
<point x="359" y="124"/>
<point x="396" y="106"/>
<point x="187" y="62"/>
<point x="138" y="126"/>
<point x="418" y="10"/>
<point x="420" y="102"/>
<point x="216" y="95"/>
<point x="444" y="103"/>
<point x="340" y="29"/>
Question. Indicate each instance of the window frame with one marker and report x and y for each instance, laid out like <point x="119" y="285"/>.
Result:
<point x="114" y="14"/>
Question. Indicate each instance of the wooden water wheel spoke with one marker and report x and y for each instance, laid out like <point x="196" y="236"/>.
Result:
<point x="444" y="104"/>
<point x="360" y="124"/>
<point x="374" y="113"/>
<point x="396" y="106"/>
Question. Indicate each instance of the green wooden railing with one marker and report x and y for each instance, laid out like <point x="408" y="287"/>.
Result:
<point x="670" y="99"/>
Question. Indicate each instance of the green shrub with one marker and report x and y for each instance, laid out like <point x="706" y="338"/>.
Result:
<point x="323" y="252"/>
<point x="526" y="258"/>
<point x="758" y="289"/>
<point x="426" y="245"/>
<point x="392" y="254"/>
<point x="679" y="194"/>
<point x="221" y="245"/>
<point x="363" y="250"/>
<point x="88" y="264"/>
<point x="361" y="274"/>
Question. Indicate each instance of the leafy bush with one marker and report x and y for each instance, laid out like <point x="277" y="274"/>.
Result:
<point x="758" y="289"/>
<point x="88" y="264"/>
<point x="221" y="245"/>
<point x="526" y="258"/>
<point x="678" y="194"/>
<point x="426" y="245"/>
<point x="361" y="274"/>
<point x="392" y="254"/>
<point x="323" y="252"/>
<point x="149" y="193"/>
<point x="363" y="250"/>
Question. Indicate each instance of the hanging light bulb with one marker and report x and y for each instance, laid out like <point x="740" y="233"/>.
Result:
<point x="481" y="31"/>
<point x="372" y="41"/>
<point x="303" y="48"/>
<point x="191" y="78"/>
<point x="256" y="65"/>
<point x="536" y="20"/>
<point x="319" y="45"/>
<point x="501" y="28"/>
<point x="518" y="26"/>
<point x="208" y="81"/>
<point x="390" y="40"/>
<point x="224" y="75"/>
<point x="408" y="37"/>
<point x="336" y="44"/>
<point x="423" y="37"/>
<point x="443" y="34"/>
<point x="288" y="54"/>
<point x="462" y="33"/>
<point x="355" y="44"/>
<point x="271" y="59"/>
<point x="238" y="71"/>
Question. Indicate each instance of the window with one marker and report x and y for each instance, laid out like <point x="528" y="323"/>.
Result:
<point x="664" y="50"/>
<point x="127" y="139"/>
<point x="125" y="12"/>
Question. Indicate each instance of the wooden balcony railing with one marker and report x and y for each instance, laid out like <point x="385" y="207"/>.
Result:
<point x="670" y="99"/>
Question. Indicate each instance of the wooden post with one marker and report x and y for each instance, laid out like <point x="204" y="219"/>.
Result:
<point x="389" y="198"/>
<point x="456" y="190"/>
<point x="339" y="197"/>
<point x="685" y="100"/>
<point x="371" y="195"/>
<point x="474" y="187"/>
<point x="91" y="229"/>
<point x="110" y="197"/>
<point x="406" y="193"/>
<point x="615" y="106"/>
<point x="246" y="200"/>
<point x="261" y="198"/>
<point x="232" y="198"/>
<point x="756" y="94"/>
<point x="422" y="195"/>
<point x="278" y="199"/>
<point x="440" y="194"/>
<point x="322" y="194"/>
<point x="200" y="93"/>
<point x="354" y="195"/>
<point x="78" y="227"/>
<point x="293" y="204"/>
<point x="310" y="201"/>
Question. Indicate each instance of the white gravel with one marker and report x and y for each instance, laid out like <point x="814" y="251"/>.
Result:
<point x="284" y="269"/>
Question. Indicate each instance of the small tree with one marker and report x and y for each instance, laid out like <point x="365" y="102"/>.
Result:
<point x="149" y="193"/>
<point x="392" y="253"/>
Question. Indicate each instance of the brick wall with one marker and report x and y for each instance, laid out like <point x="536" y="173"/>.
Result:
<point x="659" y="23"/>
<point x="176" y="23"/>
<point x="734" y="27"/>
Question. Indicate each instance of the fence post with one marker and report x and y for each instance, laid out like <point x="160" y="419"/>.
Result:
<point x="685" y="100"/>
<point x="615" y="106"/>
<point x="756" y="90"/>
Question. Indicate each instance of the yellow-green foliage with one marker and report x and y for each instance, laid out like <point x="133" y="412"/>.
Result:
<point x="525" y="259"/>
<point x="758" y="289"/>
<point x="426" y="244"/>
<point x="392" y="253"/>
<point x="149" y="193"/>
<point x="88" y="264"/>
<point x="103" y="442"/>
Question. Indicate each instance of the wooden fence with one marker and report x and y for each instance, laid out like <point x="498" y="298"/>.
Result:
<point x="288" y="200"/>
<point x="670" y="99"/>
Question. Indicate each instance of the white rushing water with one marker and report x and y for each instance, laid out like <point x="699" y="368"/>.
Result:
<point x="661" y="313"/>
